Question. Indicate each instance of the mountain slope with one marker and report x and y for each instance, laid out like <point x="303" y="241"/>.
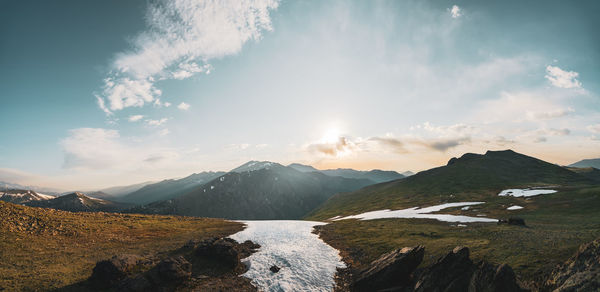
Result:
<point x="48" y="250"/>
<point x="168" y="189"/>
<point x="120" y="191"/>
<point x="22" y="196"/>
<point x="76" y="202"/>
<point x="273" y="192"/>
<point x="470" y="177"/>
<point x="376" y="175"/>
<point x="595" y="163"/>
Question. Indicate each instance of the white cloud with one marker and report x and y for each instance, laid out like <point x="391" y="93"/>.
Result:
<point x="167" y="104"/>
<point x="135" y="118"/>
<point x="561" y="78"/>
<point x="97" y="149"/>
<point x="183" y="106"/>
<point x="164" y="132"/>
<point x="594" y="128"/>
<point x="156" y="122"/>
<point x="550" y="114"/>
<point x="182" y="36"/>
<point x="455" y="11"/>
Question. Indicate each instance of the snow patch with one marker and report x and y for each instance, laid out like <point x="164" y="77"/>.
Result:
<point x="514" y="207"/>
<point x="307" y="263"/>
<point x="529" y="192"/>
<point x="423" y="213"/>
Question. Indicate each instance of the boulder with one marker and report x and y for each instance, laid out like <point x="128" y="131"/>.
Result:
<point x="450" y="273"/>
<point x="109" y="272"/>
<point x="223" y="250"/>
<point x="173" y="270"/>
<point x="512" y="221"/>
<point x="579" y="273"/>
<point x="274" y="269"/>
<point x="494" y="279"/>
<point x="392" y="269"/>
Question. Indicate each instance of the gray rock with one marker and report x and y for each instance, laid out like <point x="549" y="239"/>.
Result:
<point x="392" y="269"/>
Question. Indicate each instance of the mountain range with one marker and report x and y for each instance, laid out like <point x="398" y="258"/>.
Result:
<point x="257" y="190"/>
<point x="168" y="189"/>
<point x="470" y="177"/>
<point x="77" y="202"/>
<point x="376" y="175"/>
<point x="595" y="163"/>
<point x="23" y="196"/>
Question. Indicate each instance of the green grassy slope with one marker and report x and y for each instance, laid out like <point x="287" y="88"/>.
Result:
<point x="556" y="225"/>
<point x="470" y="177"/>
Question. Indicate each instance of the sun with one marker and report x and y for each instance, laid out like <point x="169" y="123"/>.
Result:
<point x="331" y="136"/>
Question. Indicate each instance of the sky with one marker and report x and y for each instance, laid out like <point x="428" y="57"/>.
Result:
<point x="104" y="93"/>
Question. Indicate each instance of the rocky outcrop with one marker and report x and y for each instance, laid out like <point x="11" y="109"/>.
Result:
<point x="579" y="273"/>
<point x="393" y="269"/>
<point x="449" y="273"/>
<point x="397" y="271"/>
<point x="110" y="272"/>
<point x="199" y="265"/>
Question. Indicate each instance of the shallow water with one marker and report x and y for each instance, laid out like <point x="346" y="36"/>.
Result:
<point x="307" y="263"/>
<point x="423" y="213"/>
<point x="525" y="192"/>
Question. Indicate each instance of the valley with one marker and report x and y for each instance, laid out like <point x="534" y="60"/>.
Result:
<point x="352" y="221"/>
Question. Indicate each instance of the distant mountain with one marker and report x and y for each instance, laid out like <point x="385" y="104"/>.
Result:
<point x="470" y="177"/>
<point x="77" y="202"/>
<point x="254" y="165"/>
<point x="14" y="186"/>
<point x="168" y="189"/>
<point x="595" y="163"/>
<point x="376" y="175"/>
<point x="303" y="167"/>
<point x="120" y="191"/>
<point x="22" y="196"/>
<point x="257" y="190"/>
<point x="407" y="173"/>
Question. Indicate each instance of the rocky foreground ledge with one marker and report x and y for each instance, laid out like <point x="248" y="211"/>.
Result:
<point x="399" y="270"/>
<point x="208" y="265"/>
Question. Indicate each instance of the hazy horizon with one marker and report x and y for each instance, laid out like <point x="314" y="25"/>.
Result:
<point x="114" y="93"/>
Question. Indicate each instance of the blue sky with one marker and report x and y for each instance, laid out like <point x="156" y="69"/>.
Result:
<point x="114" y="92"/>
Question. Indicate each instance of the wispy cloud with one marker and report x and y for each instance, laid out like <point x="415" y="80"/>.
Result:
<point x="156" y="122"/>
<point x="551" y="114"/>
<point x="455" y="11"/>
<point x="135" y="118"/>
<point x="183" y="106"/>
<point x="594" y="128"/>
<point x="561" y="78"/>
<point x="98" y="148"/>
<point x="182" y="36"/>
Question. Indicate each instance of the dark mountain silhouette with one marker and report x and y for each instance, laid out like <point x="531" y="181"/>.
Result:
<point x="168" y="189"/>
<point x="252" y="191"/>
<point x="376" y="175"/>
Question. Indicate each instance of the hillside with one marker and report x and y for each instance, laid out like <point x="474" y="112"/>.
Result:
<point x="168" y="189"/>
<point x="595" y="163"/>
<point x="77" y="202"/>
<point x="273" y="192"/>
<point x="120" y="191"/>
<point x="470" y="177"/>
<point x="375" y="175"/>
<point x="45" y="249"/>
